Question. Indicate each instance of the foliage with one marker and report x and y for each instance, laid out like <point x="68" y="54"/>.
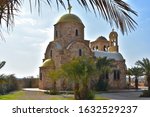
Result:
<point x="146" y="93"/>
<point x="145" y="66"/>
<point x="54" y="75"/>
<point x="2" y="64"/>
<point x="102" y="85"/>
<point x="52" y="91"/>
<point x="129" y="73"/>
<point x="115" y="12"/>
<point x="136" y="71"/>
<point x="80" y="71"/>
<point x="8" y="83"/>
<point x="104" y="67"/>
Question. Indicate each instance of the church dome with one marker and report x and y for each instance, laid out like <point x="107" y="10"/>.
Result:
<point x="101" y="38"/>
<point x="47" y="63"/>
<point x="70" y="18"/>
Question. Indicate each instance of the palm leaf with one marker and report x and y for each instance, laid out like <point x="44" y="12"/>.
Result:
<point x="115" y="12"/>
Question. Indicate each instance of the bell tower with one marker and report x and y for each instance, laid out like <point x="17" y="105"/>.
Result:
<point x="113" y="41"/>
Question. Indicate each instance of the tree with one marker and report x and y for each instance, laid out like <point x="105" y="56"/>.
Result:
<point x="103" y="66"/>
<point x="129" y="73"/>
<point x="115" y="12"/>
<point x="145" y="66"/>
<point x="136" y="71"/>
<point x="80" y="71"/>
<point x="54" y="76"/>
<point x="2" y="64"/>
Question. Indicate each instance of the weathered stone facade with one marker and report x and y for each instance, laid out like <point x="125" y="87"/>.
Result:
<point x="69" y="42"/>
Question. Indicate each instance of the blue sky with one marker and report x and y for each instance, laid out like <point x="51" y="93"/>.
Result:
<point x="25" y="46"/>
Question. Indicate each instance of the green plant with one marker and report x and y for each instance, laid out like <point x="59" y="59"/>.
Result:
<point x="2" y="64"/>
<point x="115" y="12"/>
<point x="8" y="83"/>
<point x="145" y="66"/>
<point x="102" y="85"/>
<point x="52" y="92"/>
<point x="80" y="70"/>
<point x="137" y="72"/>
<point x="90" y="95"/>
<point x="146" y="93"/>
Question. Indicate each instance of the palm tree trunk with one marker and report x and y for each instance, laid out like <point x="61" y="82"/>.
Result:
<point x="148" y="81"/>
<point x="76" y="91"/>
<point x="129" y="81"/>
<point x="84" y="92"/>
<point x="136" y="83"/>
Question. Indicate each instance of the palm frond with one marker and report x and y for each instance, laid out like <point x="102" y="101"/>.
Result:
<point x="115" y="12"/>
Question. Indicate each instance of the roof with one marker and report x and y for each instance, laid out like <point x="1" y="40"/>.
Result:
<point x="101" y="38"/>
<point x="70" y="18"/>
<point x="47" y="63"/>
<point x="110" y="55"/>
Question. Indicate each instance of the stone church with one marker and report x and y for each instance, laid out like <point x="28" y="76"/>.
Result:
<point x="69" y="42"/>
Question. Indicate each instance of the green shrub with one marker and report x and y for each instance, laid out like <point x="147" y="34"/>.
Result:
<point x="146" y="93"/>
<point x="102" y="85"/>
<point x="8" y="83"/>
<point x="91" y="95"/>
<point x="52" y="92"/>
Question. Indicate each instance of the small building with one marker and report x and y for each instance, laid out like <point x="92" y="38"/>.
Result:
<point x="69" y="42"/>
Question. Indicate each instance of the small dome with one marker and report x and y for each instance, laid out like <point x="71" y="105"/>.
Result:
<point x="113" y="33"/>
<point x="110" y="55"/>
<point x="47" y="63"/>
<point x="70" y="18"/>
<point x="101" y="38"/>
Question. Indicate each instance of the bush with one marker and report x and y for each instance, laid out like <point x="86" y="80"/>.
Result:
<point x="91" y="95"/>
<point x="102" y="85"/>
<point x="146" y="93"/>
<point x="8" y="83"/>
<point x="52" y="92"/>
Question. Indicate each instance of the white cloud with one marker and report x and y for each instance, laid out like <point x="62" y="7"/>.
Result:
<point x="25" y="21"/>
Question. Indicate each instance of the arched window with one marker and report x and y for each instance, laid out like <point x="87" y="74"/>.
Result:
<point x="77" y="33"/>
<point x="80" y="52"/>
<point x="96" y="47"/>
<point x="116" y="74"/>
<point x="105" y="49"/>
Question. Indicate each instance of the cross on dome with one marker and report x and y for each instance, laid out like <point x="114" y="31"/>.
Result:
<point x="69" y="6"/>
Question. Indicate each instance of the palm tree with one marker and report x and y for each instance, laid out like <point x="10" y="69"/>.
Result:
<point x="80" y="71"/>
<point x="115" y="12"/>
<point x="145" y="66"/>
<point x="136" y="71"/>
<point x="103" y="66"/>
<point x="2" y="64"/>
<point x="129" y="73"/>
